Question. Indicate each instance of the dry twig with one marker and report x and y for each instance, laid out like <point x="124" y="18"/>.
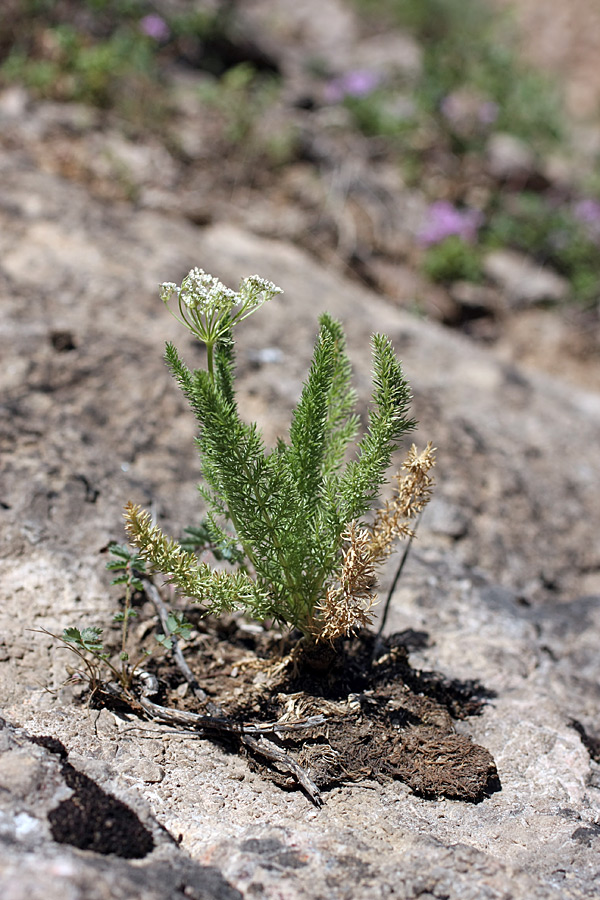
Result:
<point x="153" y="594"/>
<point x="273" y="753"/>
<point x="253" y="736"/>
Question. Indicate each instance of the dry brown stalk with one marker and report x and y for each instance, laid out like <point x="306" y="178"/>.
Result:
<point x="412" y="496"/>
<point x="348" y="603"/>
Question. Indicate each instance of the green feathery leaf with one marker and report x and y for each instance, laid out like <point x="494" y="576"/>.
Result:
<point x="388" y="422"/>
<point x="216" y="590"/>
<point x="179" y="370"/>
<point x="342" y="423"/>
<point x="306" y="454"/>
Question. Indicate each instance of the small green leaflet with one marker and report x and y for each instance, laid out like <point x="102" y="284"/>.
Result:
<point x="89" y="639"/>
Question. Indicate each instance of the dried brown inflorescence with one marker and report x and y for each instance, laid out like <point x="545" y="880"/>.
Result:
<point x="348" y="603"/>
<point x="414" y="486"/>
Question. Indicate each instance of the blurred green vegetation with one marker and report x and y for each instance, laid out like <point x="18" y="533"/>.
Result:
<point x="109" y="53"/>
<point x="453" y="259"/>
<point x="241" y="95"/>
<point x="466" y="44"/>
<point x="550" y="231"/>
<point x="119" y="55"/>
<point x="75" y="68"/>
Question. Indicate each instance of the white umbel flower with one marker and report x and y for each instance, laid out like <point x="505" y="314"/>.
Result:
<point x="209" y="309"/>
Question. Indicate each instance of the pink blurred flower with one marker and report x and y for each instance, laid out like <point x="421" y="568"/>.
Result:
<point x="488" y="112"/>
<point x="357" y="83"/>
<point x="444" y="220"/>
<point x="587" y="211"/>
<point x="155" y="27"/>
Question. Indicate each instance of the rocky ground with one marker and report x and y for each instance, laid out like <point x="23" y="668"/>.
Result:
<point x="502" y="582"/>
<point x="502" y="585"/>
<point x="294" y="165"/>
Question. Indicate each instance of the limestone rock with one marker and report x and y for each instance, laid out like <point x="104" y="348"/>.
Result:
<point x="509" y="158"/>
<point x="524" y="281"/>
<point x="492" y="590"/>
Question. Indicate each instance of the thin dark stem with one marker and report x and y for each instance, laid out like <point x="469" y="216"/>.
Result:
<point x="154" y="596"/>
<point x="126" y="614"/>
<point x="396" y="578"/>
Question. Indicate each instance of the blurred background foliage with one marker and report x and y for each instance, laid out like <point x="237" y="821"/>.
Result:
<point x="121" y="57"/>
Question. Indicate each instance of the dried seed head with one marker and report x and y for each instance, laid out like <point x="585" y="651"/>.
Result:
<point x="346" y="605"/>
<point x="413" y="492"/>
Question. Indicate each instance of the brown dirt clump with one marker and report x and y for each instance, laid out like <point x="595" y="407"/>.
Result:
<point x="381" y="719"/>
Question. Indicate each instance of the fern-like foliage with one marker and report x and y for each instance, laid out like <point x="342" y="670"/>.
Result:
<point x="218" y="591"/>
<point x="288" y="507"/>
<point x="388" y="423"/>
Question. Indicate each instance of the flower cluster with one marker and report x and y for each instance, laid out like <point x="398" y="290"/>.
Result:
<point x="253" y="292"/>
<point x="444" y="220"/>
<point x="201" y="292"/>
<point x="209" y="309"/>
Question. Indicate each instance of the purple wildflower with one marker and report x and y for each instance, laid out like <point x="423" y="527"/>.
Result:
<point x="488" y="112"/>
<point x="155" y="27"/>
<point x="444" y="220"/>
<point x="357" y="83"/>
<point x="588" y="212"/>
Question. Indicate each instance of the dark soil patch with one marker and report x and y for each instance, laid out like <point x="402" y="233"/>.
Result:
<point x="384" y="719"/>
<point x="91" y="819"/>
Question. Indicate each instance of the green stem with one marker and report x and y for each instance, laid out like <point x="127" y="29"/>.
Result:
<point x="210" y="360"/>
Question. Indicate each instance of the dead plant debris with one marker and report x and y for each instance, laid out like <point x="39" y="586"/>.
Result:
<point x="359" y="711"/>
